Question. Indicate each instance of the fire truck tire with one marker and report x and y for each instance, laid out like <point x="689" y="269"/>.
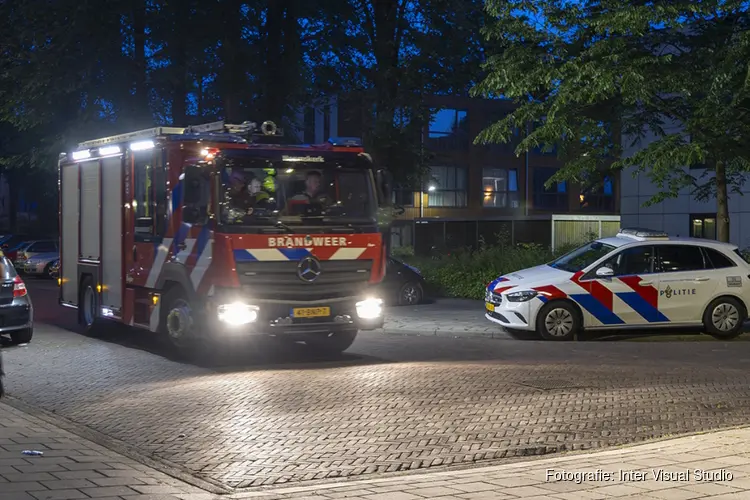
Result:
<point x="333" y="343"/>
<point x="178" y="320"/>
<point x="88" y="305"/>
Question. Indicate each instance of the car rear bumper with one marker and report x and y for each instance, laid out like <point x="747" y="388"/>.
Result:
<point x="16" y="317"/>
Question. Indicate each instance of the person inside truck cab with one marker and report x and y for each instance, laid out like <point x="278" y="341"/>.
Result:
<point x="311" y="195"/>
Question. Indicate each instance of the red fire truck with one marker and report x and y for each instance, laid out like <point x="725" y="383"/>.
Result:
<point x="215" y="230"/>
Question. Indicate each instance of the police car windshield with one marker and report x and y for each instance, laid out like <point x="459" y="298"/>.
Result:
<point x="582" y="257"/>
<point x="262" y="192"/>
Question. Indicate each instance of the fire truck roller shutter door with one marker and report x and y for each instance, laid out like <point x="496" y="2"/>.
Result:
<point x="70" y="205"/>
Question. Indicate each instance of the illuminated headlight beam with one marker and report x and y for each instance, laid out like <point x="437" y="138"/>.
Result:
<point x="370" y="308"/>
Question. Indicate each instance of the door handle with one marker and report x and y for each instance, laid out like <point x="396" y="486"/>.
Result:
<point x="701" y="279"/>
<point x="645" y="283"/>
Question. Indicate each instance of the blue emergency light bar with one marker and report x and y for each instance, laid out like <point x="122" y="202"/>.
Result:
<point x="345" y="141"/>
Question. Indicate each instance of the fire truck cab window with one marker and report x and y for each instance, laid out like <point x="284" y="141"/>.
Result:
<point x="197" y="195"/>
<point x="149" y="195"/>
<point x="255" y="192"/>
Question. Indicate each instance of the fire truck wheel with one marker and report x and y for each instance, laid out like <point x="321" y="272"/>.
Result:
<point x="333" y="343"/>
<point x="88" y="305"/>
<point x="178" y="322"/>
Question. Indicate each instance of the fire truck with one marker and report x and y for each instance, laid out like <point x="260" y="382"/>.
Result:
<point x="220" y="230"/>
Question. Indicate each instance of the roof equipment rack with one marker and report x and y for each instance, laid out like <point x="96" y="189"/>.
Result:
<point x="643" y="234"/>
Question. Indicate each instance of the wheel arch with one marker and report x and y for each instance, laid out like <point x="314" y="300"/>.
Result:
<point x="570" y="302"/>
<point x="730" y="295"/>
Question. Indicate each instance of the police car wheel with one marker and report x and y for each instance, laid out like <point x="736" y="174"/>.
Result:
<point x="558" y="320"/>
<point x="724" y="318"/>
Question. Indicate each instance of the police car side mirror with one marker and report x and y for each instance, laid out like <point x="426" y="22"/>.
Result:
<point x="604" y="272"/>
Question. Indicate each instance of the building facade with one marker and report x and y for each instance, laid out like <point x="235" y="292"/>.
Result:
<point x="684" y="215"/>
<point x="473" y="193"/>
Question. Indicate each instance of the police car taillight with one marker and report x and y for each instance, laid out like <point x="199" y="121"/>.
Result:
<point x="19" y="287"/>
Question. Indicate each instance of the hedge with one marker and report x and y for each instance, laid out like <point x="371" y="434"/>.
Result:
<point x="466" y="273"/>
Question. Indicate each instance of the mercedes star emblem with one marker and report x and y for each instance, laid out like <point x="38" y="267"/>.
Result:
<point x="308" y="269"/>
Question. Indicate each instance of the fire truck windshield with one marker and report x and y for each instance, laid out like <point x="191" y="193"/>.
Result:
<point x="261" y="193"/>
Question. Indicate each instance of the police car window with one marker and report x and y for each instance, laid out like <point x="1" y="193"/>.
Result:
<point x="717" y="260"/>
<point x="679" y="258"/>
<point x="635" y="260"/>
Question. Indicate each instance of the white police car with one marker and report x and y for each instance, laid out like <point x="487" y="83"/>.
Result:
<point x="638" y="279"/>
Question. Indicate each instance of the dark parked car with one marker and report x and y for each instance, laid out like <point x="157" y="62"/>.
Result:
<point x="403" y="284"/>
<point x="16" y="310"/>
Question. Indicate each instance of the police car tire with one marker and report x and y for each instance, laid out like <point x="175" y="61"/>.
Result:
<point x="550" y="306"/>
<point x="715" y="332"/>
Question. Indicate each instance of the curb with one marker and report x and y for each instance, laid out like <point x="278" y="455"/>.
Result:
<point x="119" y="447"/>
<point x="413" y="332"/>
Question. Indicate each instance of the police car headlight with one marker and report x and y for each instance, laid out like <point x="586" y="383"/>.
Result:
<point x="524" y="296"/>
<point x="370" y="308"/>
<point x="237" y="314"/>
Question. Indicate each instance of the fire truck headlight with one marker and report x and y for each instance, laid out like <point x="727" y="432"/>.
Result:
<point x="370" y="308"/>
<point x="237" y="314"/>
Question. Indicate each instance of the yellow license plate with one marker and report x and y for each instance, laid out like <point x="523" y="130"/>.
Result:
<point x="490" y="307"/>
<point x="311" y="312"/>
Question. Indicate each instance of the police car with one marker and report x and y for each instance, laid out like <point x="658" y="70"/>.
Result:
<point x="637" y="279"/>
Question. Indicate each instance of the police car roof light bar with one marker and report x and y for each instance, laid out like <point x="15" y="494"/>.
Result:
<point x="643" y="233"/>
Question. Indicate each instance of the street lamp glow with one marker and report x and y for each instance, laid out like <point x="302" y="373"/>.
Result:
<point x="431" y="189"/>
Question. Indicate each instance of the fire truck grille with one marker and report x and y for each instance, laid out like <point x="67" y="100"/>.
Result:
<point x="279" y="279"/>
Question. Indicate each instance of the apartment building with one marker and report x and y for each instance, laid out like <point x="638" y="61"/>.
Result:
<point x="474" y="192"/>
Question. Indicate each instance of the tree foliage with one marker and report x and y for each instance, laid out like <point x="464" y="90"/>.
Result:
<point x="671" y="77"/>
<point x="72" y="70"/>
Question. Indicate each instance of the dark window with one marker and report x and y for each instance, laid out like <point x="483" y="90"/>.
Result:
<point x="143" y="178"/>
<point x="403" y="197"/>
<point x="43" y="247"/>
<point x="741" y="255"/>
<point x="703" y="226"/>
<point x="160" y="194"/>
<point x="679" y="258"/>
<point x="717" y="260"/>
<point x="449" y="130"/>
<point x="500" y="188"/>
<point x="635" y="260"/>
<point x="446" y="187"/>
<point x="150" y="188"/>
<point x="598" y="196"/>
<point x="554" y="197"/>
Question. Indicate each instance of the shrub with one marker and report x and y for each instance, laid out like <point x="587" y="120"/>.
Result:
<point x="466" y="273"/>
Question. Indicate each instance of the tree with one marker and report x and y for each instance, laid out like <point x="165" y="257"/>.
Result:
<point x="670" y="76"/>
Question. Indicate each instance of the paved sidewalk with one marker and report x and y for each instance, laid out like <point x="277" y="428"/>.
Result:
<point x="443" y="318"/>
<point x="74" y="468"/>
<point x="715" y="465"/>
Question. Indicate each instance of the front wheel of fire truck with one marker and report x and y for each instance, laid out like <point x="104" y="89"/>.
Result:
<point x="332" y="343"/>
<point x="178" y="323"/>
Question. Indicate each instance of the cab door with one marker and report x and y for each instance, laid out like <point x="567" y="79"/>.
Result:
<point x="148" y="221"/>
<point x="686" y="283"/>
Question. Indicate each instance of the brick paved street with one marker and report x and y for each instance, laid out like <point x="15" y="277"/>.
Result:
<point x="390" y="404"/>
<point x="717" y="465"/>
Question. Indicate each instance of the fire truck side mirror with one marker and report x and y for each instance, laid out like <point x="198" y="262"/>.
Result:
<point x="385" y="185"/>
<point x="192" y="194"/>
